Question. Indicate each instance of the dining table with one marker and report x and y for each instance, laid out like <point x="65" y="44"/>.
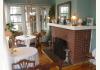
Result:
<point x="26" y="38"/>
<point x="20" y="53"/>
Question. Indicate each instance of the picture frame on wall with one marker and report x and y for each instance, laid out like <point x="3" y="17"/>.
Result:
<point x="90" y="21"/>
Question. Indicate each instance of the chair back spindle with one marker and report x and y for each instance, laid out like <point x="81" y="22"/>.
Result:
<point x="25" y="64"/>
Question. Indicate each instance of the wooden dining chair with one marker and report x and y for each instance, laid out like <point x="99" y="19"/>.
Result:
<point x="11" y="42"/>
<point x="24" y="65"/>
<point x="20" y="43"/>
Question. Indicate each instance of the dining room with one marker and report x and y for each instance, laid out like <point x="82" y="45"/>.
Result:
<point x="50" y="34"/>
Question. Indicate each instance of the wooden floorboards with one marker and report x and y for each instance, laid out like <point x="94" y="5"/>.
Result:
<point x="44" y="59"/>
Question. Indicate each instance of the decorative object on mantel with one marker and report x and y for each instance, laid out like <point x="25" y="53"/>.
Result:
<point x="64" y="21"/>
<point x="90" y="21"/>
<point x="80" y="21"/>
<point x="84" y="21"/>
<point x="74" y="20"/>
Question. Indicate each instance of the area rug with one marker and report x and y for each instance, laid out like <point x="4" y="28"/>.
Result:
<point x="52" y="56"/>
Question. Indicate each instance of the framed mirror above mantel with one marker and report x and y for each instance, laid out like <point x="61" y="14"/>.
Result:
<point x="64" y="13"/>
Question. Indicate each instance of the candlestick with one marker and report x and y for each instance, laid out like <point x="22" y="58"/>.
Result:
<point x="74" y="19"/>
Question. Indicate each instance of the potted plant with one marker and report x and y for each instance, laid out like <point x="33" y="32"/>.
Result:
<point x="9" y="30"/>
<point x="52" y="13"/>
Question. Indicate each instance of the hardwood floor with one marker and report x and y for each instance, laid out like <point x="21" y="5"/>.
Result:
<point x="82" y="66"/>
<point x="44" y="59"/>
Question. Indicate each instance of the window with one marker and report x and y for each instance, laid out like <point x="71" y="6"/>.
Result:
<point x="16" y="17"/>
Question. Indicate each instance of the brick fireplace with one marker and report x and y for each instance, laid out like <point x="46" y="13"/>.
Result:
<point x="78" y="42"/>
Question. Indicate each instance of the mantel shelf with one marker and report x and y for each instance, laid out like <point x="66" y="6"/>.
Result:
<point x="70" y="27"/>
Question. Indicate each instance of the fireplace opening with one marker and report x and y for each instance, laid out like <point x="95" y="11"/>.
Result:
<point x="60" y="48"/>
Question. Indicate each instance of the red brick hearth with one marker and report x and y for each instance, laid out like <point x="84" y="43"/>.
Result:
<point x="78" y="42"/>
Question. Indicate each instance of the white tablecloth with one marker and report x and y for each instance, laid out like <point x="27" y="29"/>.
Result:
<point x="29" y="53"/>
<point x="25" y="38"/>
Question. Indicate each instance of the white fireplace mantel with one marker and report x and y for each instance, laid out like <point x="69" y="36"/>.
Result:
<point x="70" y="27"/>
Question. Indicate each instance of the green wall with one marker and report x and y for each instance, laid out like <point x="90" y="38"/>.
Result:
<point x="83" y="8"/>
<point x="86" y="8"/>
<point x="93" y="8"/>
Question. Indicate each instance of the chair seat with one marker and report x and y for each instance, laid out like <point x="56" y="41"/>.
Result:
<point x="20" y="43"/>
